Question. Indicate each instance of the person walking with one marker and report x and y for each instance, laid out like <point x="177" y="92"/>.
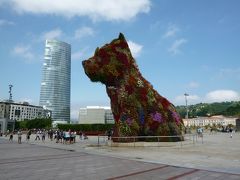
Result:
<point x="28" y="135"/>
<point x="109" y="134"/>
<point x="38" y="135"/>
<point x="231" y="132"/>
<point x="51" y="134"/>
<point x="11" y="137"/>
<point x="43" y="135"/>
<point x="19" y="137"/>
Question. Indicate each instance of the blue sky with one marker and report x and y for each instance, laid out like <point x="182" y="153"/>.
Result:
<point x="186" y="46"/>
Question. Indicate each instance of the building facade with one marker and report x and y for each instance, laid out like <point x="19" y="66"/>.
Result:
<point x="95" y="115"/>
<point x="11" y="112"/>
<point x="22" y="111"/>
<point x="56" y="80"/>
<point x="204" y="121"/>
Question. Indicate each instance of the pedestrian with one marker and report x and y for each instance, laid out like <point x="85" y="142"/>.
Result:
<point x="19" y="136"/>
<point x="67" y="136"/>
<point x="28" y="135"/>
<point x="11" y="137"/>
<point x="74" y="136"/>
<point x="43" y="135"/>
<point x="61" y="136"/>
<point x="80" y="135"/>
<point x="38" y="135"/>
<point x="51" y="134"/>
<point x="109" y="134"/>
<point x="231" y="132"/>
<point x="6" y="134"/>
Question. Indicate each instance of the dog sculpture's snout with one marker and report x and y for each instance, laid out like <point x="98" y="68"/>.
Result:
<point x="84" y="62"/>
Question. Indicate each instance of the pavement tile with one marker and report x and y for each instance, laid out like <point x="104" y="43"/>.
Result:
<point x="49" y="160"/>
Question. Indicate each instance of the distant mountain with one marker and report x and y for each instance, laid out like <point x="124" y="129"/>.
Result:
<point x="205" y="109"/>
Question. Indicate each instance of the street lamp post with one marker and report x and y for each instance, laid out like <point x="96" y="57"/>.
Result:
<point x="186" y="104"/>
<point x="10" y="92"/>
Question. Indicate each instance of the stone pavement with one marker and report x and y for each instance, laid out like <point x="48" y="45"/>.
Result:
<point x="217" y="158"/>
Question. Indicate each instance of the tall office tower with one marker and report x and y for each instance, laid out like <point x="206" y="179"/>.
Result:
<point x="56" y="74"/>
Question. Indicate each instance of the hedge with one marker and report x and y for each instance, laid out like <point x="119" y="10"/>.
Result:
<point x="34" y="123"/>
<point x="86" y="127"/>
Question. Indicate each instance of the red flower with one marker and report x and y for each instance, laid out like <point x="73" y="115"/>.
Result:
<point x="116" y="117"/>
<point x="123" y="58"/>
<point x="105" y="58"/>
<point x="165" y="103"/>
<point x="131" y="81"/>
<point x="143" y="94"/>
<point x="154" y="125"/>
<point x="129" y="89"/>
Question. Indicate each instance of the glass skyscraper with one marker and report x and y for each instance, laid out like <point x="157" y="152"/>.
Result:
<point x="56" y="80"/>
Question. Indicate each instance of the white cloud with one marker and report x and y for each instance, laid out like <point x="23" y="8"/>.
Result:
<point x="24" y="52"/>
<point x="4" y="22"/>
<point x="175" y="48"/>
<point x="94" y="9"/>
<point x="191" y="99"/>
<point x="193" y="85"/>
<point x="135" y="48"/>
<point x="83" y="32"/>
<point x="210" y="97"/>
<point x="222" y="95"/>
<point x="171" y="31"/>
<point x="53" y="34"/>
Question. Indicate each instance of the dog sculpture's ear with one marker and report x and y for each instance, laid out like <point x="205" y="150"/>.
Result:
<point x="96" y="51"/>
<point x="121" y="37"/>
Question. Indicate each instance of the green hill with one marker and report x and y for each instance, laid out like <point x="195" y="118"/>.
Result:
<point x="205" y="109"/>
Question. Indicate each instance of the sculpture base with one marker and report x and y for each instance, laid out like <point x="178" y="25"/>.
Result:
<point x="147" y="139"/>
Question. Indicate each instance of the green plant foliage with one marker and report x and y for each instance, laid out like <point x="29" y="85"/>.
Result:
<point x="205" y="109"/>
<point x="38" y="123"/>
<point x="138" y="109"/>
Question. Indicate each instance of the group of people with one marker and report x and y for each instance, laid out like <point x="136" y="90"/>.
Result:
<point x="65" y="137"/>
<point x="59" y="135"/>
<point x="19" y="134"/>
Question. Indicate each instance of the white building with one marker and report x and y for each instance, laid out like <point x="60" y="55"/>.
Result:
<point x="22" y="111"/>
<point x="203" y="121"/>
<point x="95" y="115"/>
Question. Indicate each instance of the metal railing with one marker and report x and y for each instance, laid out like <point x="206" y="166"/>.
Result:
<point x="150" y="141"/>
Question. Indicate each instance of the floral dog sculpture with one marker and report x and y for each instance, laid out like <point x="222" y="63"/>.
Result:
<point x="137" y="108"/>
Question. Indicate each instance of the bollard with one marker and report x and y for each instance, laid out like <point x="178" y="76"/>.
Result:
<point x="181" y="144"/>
<point x="98" y="141"/>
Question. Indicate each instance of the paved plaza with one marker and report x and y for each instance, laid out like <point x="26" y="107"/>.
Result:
<point x="216" y="157"/>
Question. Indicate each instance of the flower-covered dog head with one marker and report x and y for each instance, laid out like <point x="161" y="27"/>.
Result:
<point x="110" y="62"/>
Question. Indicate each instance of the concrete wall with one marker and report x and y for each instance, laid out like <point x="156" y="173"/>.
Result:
<point x="95" y="115"/>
